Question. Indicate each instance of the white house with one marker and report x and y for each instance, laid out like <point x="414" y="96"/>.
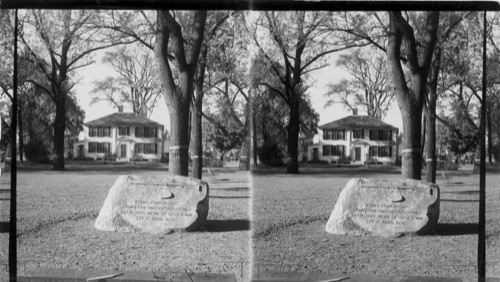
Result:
<point x="362" y="139"/>
<point x="126" y="135"/>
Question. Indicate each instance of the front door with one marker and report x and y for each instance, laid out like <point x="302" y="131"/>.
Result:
<point x="123" y="149"/>
<point x="357" y="154"/>
<point x="315" y="154"/>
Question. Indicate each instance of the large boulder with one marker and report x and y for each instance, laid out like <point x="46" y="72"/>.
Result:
<point x="154" y="204"/>
<point x="388" y="208"/>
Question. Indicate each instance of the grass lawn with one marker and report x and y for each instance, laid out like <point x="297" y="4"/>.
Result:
<point x="57" y="210"/>
<point x="290" y="214"/>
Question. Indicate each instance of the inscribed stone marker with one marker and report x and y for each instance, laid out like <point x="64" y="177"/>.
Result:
<point x="154" y="204"/>
<point x="385" y="208"/>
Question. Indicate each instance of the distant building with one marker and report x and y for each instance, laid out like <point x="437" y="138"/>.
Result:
<point x="356" y="139"/>
<point x="123" y="135"/>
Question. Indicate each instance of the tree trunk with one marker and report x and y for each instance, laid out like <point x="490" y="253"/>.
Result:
<point x="254" y="138"/>
<point x="59" y="129"/>
<point x="477" y="155"/>
<point x="21" y="138"/>
<point x="197" y="145"/>
<point x="424" y="128"/>
<point x="293" y="137"/>
<point x="411" y="160"/>
<point x="246" y="146"/>
<point x="431" y="161"/>
<point x="177" y="92"/>
<point x="477" y="159"/>
<point x="178" y="108"/>
<point x="411" y="99"/>
<point x="430" y="147"/>
<point x="490" y="141"/>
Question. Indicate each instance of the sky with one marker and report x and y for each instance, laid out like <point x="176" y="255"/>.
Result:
<point x="99" y="71"/>
<point x="329" y="74"/>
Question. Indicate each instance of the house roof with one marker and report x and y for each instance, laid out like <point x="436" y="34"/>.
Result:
<point x="353" y="122"/>
<point x="122" y="119"/>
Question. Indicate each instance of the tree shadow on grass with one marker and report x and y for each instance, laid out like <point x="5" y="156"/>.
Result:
<point x="468" y="192"/>
<point x="456" y="229"/>
<point x="230" y="197"/>
<point x="458" y="201"/>
<point x="235" y="189"/>
<point x="228" y="225"/>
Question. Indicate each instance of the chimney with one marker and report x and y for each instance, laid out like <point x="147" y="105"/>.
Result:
<point x="120" y="109"/>
<point x="355" y="111"/>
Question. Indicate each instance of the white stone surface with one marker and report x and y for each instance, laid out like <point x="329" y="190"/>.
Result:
<point x="154" y="204"/>
<point x="388" y="208"/>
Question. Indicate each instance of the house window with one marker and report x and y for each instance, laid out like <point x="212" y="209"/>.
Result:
<point x="329" y="150"/>
<point x="380" y="151"/>
<point x="147" y="132"/>
<point x="373" y="151"/>
<point x="358" y="134"/>
<point x="139" y="131"/>
<point x="146" y="148"/>
<point x="124" y="131"/>
<point x="92" y="131"/>
<point x="100" y="131"/>
<point x="96" y="147"/>
<point x="139" y="147"/>
<point x="381" y="135"/>
<point x="326" y="150"/>
<point x="334" y="134"/>
<point x="327" y="134"/>
<point x="338" y="150"/>
<point x="385" y="151"/>
<point x="150" y="148"/>
<point x="338" y="134"/>
<point x="388" y="135"/>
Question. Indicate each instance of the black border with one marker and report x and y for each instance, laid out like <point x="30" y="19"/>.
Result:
<point x="284" y="5"/>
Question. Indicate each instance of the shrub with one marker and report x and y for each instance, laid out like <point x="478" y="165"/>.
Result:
<point x="372" y="161"/>
<point x="344" y="160"/>
<point x="138" y="158"/>
<point x="36" y="152"/>
<point x="303" y="158"/>
<point x="110" y="157"/>
<point x="270" y="154"/>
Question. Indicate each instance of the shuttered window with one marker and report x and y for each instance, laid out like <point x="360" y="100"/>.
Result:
<point x="96" y="147"/>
